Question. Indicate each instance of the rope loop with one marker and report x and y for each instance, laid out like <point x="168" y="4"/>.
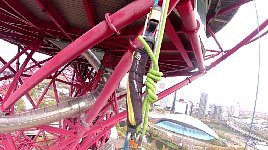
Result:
<point x="152" y="77"/>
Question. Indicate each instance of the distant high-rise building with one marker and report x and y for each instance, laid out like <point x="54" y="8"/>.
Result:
<point x="183" y="107"/>
<point x="218" y="113"/>
<point x="224" y="114"/>
<point x="236" y="110"/>
<point x="203" y="104"/>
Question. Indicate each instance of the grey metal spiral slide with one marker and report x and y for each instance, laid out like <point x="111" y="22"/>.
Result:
<point x="67" y="108"/>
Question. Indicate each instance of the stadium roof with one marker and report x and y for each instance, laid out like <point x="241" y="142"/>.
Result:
<point x="185" y="120"/>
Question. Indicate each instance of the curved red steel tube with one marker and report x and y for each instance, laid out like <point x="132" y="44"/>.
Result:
<point x="120" y="19"/>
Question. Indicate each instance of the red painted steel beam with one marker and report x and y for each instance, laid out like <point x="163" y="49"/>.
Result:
<point x="110" y="45"/>
<point x="90" y="12"/>
<point x="20" y="81"/>
<point x="57" y="130"/>
<point x="43" y="94"/>
<point x="214" y="37"/>
<point x="169" y="64"/>
<point x="239" y="45"/>
<point x="164" y="56"/>
<point x="230" y="8"/>
<point x="6" y="10"/>
<point x="212" y="55"/>
<point x="10" y="142"/>
<point x="111" y="121"/>
<point x="182" y="73"/>
<point x="8" y="39"/>
<point x="87" y="144"/>
<point x="9" y="67"/>
<point x="54" y="15"/>
<point x="190" y="24"/>
<point x="165" y="47"/>
<point x="16" y="57"/>
<point x="180" y="70"/>
<point x="37" y="64"/>
<point x="18" y="74"/>
<point x="22" y="38"/>
<point x="53" y="29"/>
<point x="42" y="26"/>
<point x="19" y="30"/>
<point x="34" y="61"/>
<point x="96" y="128"/>
<point x="122" y="37"/>
<point x="22" y="12"/>
<point x="170" y="56"/>
<point x="164" y="68"/>
<point x="120" y="19"/>
<point x="114" y="80"/>
<point x="256" y="38"/>
<point x="10" y="19"/>
<point x="228" y="53"/>
<point x="162" y="51"/>
<point x="100" y="120"/>
<point x="25" y="29"/>
<point x="6" y="77"/>
<point x="120" y="70"/>
<point x="18" y="60"/>
<point x="214" y="51"/>
<point x="179" y="85"/>
<point x="170" y="31"/>
<point x="171" y="61"/>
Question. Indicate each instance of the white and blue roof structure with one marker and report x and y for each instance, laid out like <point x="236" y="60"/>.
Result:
<point x="184" y="125"/>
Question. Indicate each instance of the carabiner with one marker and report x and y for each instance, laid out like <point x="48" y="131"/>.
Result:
<point x="132" y="142"/>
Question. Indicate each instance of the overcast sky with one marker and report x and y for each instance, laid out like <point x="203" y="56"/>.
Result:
<point x="235" y="79"/>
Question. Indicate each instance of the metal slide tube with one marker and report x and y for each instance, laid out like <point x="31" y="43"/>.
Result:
<point x="92" y="59"/>
<point x="68" y="108"/>
<point x="49" y="114"/>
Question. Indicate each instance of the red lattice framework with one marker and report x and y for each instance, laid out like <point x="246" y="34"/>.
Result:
<point x="66" y="67"/>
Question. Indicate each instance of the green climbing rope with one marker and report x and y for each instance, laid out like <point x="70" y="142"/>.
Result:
<point x="162" y="29"/>
<point x="153" y="74"/>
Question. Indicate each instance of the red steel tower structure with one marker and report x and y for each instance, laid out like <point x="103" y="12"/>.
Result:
<point x="90" y="45"/>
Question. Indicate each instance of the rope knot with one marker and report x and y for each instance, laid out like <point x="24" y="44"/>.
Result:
<point x="152" y="77"/>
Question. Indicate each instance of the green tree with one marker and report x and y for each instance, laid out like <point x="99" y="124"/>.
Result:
<point x="42" y="104"/>
<point x="33" y="94"/>
<point x="47" y="103"/>
<point x="20" y="106"/>
<point x="51" y="102"/>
